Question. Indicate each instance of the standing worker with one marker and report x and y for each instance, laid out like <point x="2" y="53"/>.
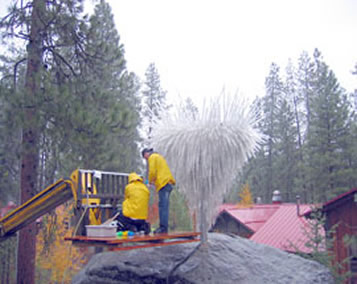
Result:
<point x="160" y="175"/>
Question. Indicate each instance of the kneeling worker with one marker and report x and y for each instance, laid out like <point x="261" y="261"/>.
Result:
<point x="135" y="206"/>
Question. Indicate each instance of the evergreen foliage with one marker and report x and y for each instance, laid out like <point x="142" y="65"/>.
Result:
<point x="75" y="104"/>
<point x="309" y="125"/>
<point x="180" y="219"/>
<point x="89" y="103"/>
<point x="328" y="134"/>
<point x="86" y="112"/>
<point x="189" y="109"/>
<point x="154" y="100"/>
<point x="8" y="261"/>
<point x="320" y="244"/>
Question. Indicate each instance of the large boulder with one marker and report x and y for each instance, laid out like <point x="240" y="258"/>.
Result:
<point x="223" y="259"/>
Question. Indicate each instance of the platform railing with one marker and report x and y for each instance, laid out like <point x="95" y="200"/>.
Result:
<point x="99" y="189"/>
<point x="101" y="184"/>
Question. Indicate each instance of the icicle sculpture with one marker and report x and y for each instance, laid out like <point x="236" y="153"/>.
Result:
<point x="206" y="152"/>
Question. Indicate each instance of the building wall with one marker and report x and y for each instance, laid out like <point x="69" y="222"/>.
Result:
<point x="227" y="224"/>
<point x="344" y="214"/>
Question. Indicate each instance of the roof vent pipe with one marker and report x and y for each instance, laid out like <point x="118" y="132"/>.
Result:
<point x="298" y="205"/>
<point x="276" y="197"/>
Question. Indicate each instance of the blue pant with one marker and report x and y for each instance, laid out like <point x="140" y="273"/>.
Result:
<point x="164" y="206"/>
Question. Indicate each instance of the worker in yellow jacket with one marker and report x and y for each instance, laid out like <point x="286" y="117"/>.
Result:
<point x="160" y="175"/>
<point x="135" y="206"/>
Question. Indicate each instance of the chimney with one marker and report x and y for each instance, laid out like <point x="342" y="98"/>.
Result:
<point x="258" y="200"/>
<point x="276" y="197"/>
<point x="298" y="205"/>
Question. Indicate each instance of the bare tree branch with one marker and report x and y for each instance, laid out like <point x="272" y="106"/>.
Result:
<point x="55" y="54"/>
<point x="15" y="69"/>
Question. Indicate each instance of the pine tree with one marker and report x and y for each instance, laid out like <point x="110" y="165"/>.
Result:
<point x="255" y="169"/>
<point x="272" y="100"/>
<point x="154" y="99"/>
<point x="351" y="154"/>
<point x="263" y="172"/>
<point x="74" y="100"/>
<point x="106" y="102"/>
<point x="190" y="109"/>
<point x="9" y="146"/>
<point x="286" y="153"/>
<point x="30" y="137"/>
<point x="305" y="92"/>
<point x="328" y="131"/>
<point x="296" y="101"/>
<point x="310" y="135"/>
<point x="180" y="219"/>
<point x="320" y="244"/>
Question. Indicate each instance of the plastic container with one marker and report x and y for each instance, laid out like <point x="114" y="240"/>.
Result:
<point x="101" y="231"/>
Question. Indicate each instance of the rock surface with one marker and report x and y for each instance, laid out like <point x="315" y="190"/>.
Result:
<point x="224" y="259"/>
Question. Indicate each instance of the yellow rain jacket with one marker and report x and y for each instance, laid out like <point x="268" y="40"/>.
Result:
<point x="159" y="171"/>
<point x="136" y="198"/>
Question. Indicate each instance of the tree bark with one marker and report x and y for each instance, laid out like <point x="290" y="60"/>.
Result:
<point x="29" y="163"/>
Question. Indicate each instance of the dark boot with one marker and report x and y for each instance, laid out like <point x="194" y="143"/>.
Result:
<point x="147" y="228"/>
<point x="160" y="230"/>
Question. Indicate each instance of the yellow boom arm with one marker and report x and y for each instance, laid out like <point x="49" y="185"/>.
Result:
<point x="48" y="199"/>
<point x="82" y="186"/>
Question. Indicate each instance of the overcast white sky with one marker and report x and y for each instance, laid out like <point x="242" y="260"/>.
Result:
<point x="202" y="46"/>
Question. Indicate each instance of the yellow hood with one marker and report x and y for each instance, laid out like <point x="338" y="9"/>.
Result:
<point x="134" y="177"/>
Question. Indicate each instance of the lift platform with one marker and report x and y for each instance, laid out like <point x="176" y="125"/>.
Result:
<point x="90" y="190"/>
<point x="136" y="241"/>
<point x="94" y="193"/>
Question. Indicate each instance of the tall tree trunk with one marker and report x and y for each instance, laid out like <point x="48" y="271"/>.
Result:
<point x="301" y="173"/>
<point x="27" y="237"/>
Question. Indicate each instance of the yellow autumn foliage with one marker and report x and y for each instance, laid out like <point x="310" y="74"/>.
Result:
<point x="246" y="199"/>
<point x="57" y="260"/>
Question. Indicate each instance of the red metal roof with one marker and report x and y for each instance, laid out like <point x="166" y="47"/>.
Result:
<point x="285" y="228"/>
<point x="253" y="217"/>
<point x="276" y="225"/>
<point x="226" y="206"/>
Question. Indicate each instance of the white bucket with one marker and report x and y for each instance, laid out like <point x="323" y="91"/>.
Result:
<point x="101" y="230"/>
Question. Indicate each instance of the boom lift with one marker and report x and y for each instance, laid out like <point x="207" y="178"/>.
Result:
<point x="96" y="194"/>
<point x="98" y="191"/>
